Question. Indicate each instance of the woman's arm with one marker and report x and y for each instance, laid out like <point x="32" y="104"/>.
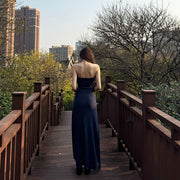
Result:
<point x="74" y="78"/>
<point x="98" y="79"/>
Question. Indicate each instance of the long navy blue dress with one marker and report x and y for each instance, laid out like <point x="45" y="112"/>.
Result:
<point x="85" y="129"/>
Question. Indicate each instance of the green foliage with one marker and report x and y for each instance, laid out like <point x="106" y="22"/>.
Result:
<point x="68" y="98"/>
<point x="25" y="69"/>
<point x="168" y="98"/>
<point x="5" y="104"/>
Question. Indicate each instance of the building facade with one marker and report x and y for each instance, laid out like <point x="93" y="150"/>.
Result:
<point x="79" y="46"/>
<point x="27" y="32"/>
<point x="61" y="53"/>
<point x="7" y="16"/>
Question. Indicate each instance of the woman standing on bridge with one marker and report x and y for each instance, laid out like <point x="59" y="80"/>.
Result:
<point x="85" y="130"/>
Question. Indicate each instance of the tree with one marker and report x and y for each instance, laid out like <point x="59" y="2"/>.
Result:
<point x="25" y="69"/>
<point x="144" y="41"/>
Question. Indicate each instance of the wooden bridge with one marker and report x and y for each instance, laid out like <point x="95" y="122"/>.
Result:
<point x="137" y="139"/>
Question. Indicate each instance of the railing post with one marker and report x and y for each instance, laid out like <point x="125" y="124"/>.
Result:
<point x="38" y="88"/>
<point x="58" y="108"/>
<point x="148" y="99"/>
<point x="120" y="87"/>
<point x="61" y="108"/>
<point x="47" y="81"/>
<point x="18" y="103"/>
<point x="108" y="80"/>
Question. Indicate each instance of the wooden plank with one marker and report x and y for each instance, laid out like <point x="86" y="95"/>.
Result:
<point x="112" y="86"/>
<point x="31" y="99"/>
<point x="160" y="129"/>
<point x="56" y="159"/>
<point x="26" y="145"/>
<point x="45" y="87"/>
<point x="132" y="97"/>
<point x="9" y="134"/>
<point x="3" y="165"/>
<point x="28" y="114"/>
<point x="165" y="118"/>
<point x="36" y="104"/>
<point x="9" y="160"/>
<point x="13" y="162"/>
<point x="8" y="120"/>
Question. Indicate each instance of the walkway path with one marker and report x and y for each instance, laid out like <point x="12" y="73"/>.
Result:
<point x="56" y="162"/>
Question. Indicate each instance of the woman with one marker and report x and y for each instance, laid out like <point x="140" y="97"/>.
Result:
<point x="85" y="130"/>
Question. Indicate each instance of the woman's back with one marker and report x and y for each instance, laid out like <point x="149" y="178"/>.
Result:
<point x="86" y="69"/>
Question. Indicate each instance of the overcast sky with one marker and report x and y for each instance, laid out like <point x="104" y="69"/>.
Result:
<point x="63" y="22"/>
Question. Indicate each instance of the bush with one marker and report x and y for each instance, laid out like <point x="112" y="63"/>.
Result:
<point x="5" y="104"/>
<point x="25" y="69"/>
<point x="68" y="98"/>
<point x="168" y="98"/>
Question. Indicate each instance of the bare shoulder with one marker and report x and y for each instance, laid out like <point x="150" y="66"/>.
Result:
<point x="97" y="67"/>
<point x="75" y="66"/>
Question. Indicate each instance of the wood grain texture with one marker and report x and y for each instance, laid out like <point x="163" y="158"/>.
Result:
<point x="55" y="160"/>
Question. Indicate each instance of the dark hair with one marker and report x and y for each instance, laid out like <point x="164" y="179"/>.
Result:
<point x="87" y="54"/>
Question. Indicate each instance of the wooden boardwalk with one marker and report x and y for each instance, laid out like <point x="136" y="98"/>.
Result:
<point x="56" y="162"/>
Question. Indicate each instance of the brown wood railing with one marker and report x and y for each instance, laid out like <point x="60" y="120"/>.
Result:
<point x="23" y="129"/>
<point x="150" y="137"/>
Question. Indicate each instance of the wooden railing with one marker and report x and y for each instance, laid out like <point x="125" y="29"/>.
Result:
<point x="23" y="129"/>
<point x="150" y="137"/>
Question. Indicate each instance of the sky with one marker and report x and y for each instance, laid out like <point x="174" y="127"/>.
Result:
<point x="64" y="22"/>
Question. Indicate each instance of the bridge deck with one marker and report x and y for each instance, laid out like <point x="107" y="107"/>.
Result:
<point x="55" y="160"/>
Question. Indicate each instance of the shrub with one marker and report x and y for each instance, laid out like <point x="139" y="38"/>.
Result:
<point x="68" y="98"/>
<point x="5" y="104"/>
<point x="168" y="98"/>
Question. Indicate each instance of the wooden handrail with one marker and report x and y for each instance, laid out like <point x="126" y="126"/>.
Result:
<point x="165" y="118"/>
<point x="45" y="87"/>
<point x="8" y="120"/>
<point x="31" y="99"/>
<point x="149" y="136"/>
<point x="9" y="134"/>
<point x="132" y="97"/>
<point x="24" y="127"/>
<point x="112" y="86"/>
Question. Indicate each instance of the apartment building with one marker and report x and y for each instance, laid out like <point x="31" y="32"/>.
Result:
<point x="61" y="53"/>
<point x="27" y="32"/>
<point x="7" y="16"/>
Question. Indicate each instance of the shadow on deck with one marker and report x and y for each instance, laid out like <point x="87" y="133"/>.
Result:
<point x="55" y="160"/>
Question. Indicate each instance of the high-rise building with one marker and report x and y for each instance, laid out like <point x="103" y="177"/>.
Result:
<point x="79" y="46"/>
<point x="27" y="29"/>
<point x="7" y="14"/>
<point x="61" y="53"/>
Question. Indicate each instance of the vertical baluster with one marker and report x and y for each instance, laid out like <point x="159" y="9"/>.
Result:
<point x="120" y="86"/>
<point x="52" y="110"/>
<point x="3" y="164"/>
<point x="47" y="81"/>
<point x="13" y="158"/>
<point x="113" y="114"/>
<point x="131" y="126"/>
<point x="26" y="146"/>
<point x="38" y="88"/>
